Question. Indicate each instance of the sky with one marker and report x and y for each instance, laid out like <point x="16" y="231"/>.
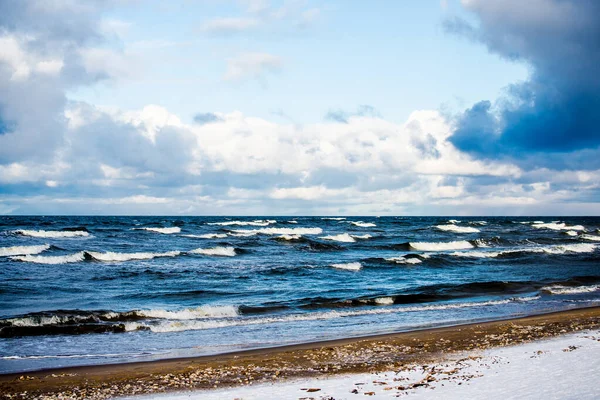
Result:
<point x="299" y="107"/>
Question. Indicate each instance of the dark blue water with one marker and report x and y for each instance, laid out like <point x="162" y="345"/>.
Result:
<point x="85" y="290"/>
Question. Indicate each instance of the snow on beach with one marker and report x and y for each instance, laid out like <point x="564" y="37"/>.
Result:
<point x="561" y="368"/>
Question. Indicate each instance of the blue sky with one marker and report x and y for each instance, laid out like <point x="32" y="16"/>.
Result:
<point x="299" y="107"/>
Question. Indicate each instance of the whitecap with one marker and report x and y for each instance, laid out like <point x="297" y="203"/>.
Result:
<point x="166" y="231"/>
<point x="571" y="233"/>
<point x="560" y="289"/>
<point x="591" y="237"/>
<point x="384" y="301"/>
<point x="216" y="251"/>
<point x="69" y="258"/>
<point x="52" y="234"/>
<point x="342" y="237"/>
<point x="205" y="311"/>
<point x="441" y="246"/>
<point x="353" y="266"/>
<point x="402" y="260"/>
<point x="23" y="250"/>
<point x="208" y="236"/>
<point x="258" y="222"/>
<point x="112" y="256"/>
<point x="334" y="218"/>
<point x="290" y="237"/>
<point x="457" y="229"/>
<point x="362" y="224"/>
<point x="279" y="231"/>
<point x="556" y="226"/>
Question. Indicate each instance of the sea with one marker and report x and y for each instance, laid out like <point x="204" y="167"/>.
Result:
<point x="77" y="290"/>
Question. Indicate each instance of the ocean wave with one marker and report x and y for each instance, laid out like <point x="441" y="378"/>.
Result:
<point x="51" y="234"/>
<point x="216" y="251"/>
<point x="334" y="218"/>
<point x="69" y="258"/>
<point x="454" y="221"/>
<point x="441" y="246"/>
<point x="591" y="237"/>
<point x="353" y="266"/>
<point x="404" y="260"/>
<point x="343" y="237"/>
<point x="556" y="249"/>
<point x="457" y="229"/>
<point x="166" y="231"/>
<point x="259" y="222"/>
<point x="362" y="224"/>
<point x="23" y="250"/>
<point x="166" y="326"/>
<point x="208" y="236"/>
<point x="384" y="300"/>
<point x="561" y="289"/>
<point x="571" y="233"/>
<point x="290" y="237"/>
<point x="206" y="311"/>
<point x="556" y="226"/>
<point x="112" y="256"/>
<point x="280" y="231"/>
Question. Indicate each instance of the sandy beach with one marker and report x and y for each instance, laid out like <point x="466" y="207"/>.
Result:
<point x="389" y="353"/>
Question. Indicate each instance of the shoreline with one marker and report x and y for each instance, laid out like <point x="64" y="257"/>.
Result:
<point x="323" y="358"/>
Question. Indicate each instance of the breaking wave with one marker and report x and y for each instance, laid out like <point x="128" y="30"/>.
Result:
<point x="208" y="236"/>
<point x="353" y="266"/>
<point x="69" y="258"/>
<point x="52" y="234"/>
<point x="555" y="226"/>
<point x="166" y="231"/>
<point x="216" y="251"/>
<point x="556" y="249"/>
<point x="441" y="246"/>
<point x="23" y="250"/>
<point x="362" y="224"/>
<point x="259" y="222"/>
<point x="112" y="256"/>
<point x="457" y="229"/>
<point x="405" y="260"/>
<point x="279" y="231"/>
<point x="561" y="289"/>
<point x="591" y="237"/>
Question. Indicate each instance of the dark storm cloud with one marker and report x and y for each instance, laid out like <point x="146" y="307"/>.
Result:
<point x="556" y="110"/>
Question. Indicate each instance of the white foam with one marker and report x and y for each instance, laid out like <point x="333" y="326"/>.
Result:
<point x="216" y="251"/>
<point x="70" y="258"/>
<point x="258" y="222"/>
<point x="22" y="250"/>
<point x="280" y="231"/>
<point x="52" y="234"/>
<point x="166" y="231"/>
<point x="457" y="229"/>
<point x="441" y="246"/>
<point x="335" y="218"/>
<point x="362" y="224"/>
<point x="591" y="237"/>
<point x="402" y="260"/>
<point x="342" y="237"/>
<point x="206" y="311"/>
<point x="208" y="236"/>
<point x="290" y="237"/>
<point x="560" y="289"/>
<point x="353" y="266"/>
<point x="292" y="222"/>
<point x="112" y="256"/>
<point x="384" y="301"/>
<point x="556" y="249"/>
<point x="571" y="233"/>
<point x="183" y="325"/>
<point x="557" y="226"/>
<point x="453" y="221"/>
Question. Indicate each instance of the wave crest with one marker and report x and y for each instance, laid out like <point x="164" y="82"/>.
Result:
<point x="23" y="250"/>
<point x="51" y="234"/>
<point x="457" y="229"/>
<point x="216" y="251"/>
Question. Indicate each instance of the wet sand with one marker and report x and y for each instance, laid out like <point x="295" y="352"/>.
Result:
<point x="357" y="355"/>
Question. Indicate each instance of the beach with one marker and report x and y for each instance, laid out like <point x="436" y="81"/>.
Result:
<point x="305" y="364"/>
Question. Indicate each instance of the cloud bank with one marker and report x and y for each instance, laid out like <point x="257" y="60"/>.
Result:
<point x="62" y="156"/>
<point x="556" y="110"/>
